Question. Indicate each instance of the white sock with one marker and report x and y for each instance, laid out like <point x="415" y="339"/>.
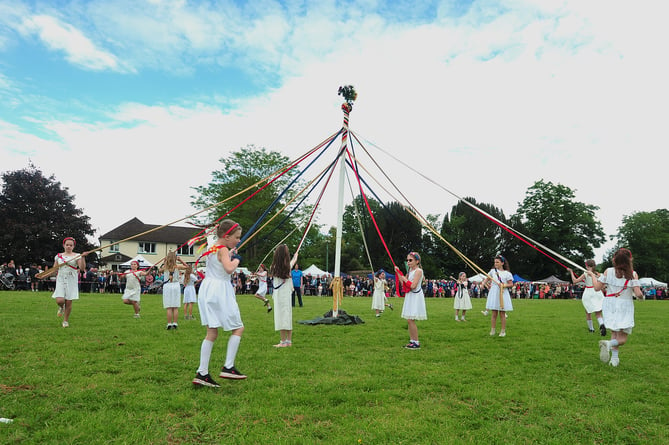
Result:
<point x="233" y="347"/>
<point x="600" y="320"/>
<point x="614" y="353"/>
<point x="205" y="355"/>
<point x="613" y="342"/>
<point x="590" y="325"/>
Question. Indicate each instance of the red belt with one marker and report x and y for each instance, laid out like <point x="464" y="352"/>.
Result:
<point x="589" y="287"/>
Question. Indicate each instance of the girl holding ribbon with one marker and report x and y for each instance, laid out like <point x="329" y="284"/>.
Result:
<point x="499" y="281"/>
<point x="414" y="299"/>
<point x="68" y="263"/>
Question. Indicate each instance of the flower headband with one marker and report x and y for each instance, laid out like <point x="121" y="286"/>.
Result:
<point x="415" y="255"/>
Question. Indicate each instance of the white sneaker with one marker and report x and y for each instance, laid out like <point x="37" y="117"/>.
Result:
<point x="66" y="324"/>
<point x="60" y="312"/>
<point x="456" y="318"/>
<point x="136" y="316"/>
<point x="502" y="334"/>
<point x="492" y="332"/>
<point x="484" y="312"/>
<point x="615" y="361"/>
<point x="604" y="350"/>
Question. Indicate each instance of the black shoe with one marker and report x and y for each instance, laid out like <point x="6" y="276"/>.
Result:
<point x="269" y="309"/>
<point x="231" y="373"/>
<point x="602" y="330"/>
<point x="204" y="380"/>
<point x="169" y="327"/>
<point x="412" y="345"/>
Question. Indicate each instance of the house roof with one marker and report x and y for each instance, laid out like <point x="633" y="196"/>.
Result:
<point x="169" y="234"/>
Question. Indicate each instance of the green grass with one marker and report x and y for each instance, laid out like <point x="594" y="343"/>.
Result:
<point x="113" y="379"/>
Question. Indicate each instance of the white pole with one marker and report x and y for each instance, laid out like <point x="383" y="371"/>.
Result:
<point x="349" y="94"/>
<point x="340" y="219"/>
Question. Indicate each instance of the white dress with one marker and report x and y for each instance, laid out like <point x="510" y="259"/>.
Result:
<point x="592" y="300"/>
<point x="133" y="288"/>
<point x="492" y="303"/>
<point x="262" y="284"/>
<point x="67" y="280"/>
<point x="462" y="299"/>
<point x="618" y="308"/>
<point x="217" y="301"/>
<point x="414" y="301"/>
<point x="171" y="289"/>
<point x="190" y="296"/>
<point x="379" y="295"/>
<point x="283" y="305"/>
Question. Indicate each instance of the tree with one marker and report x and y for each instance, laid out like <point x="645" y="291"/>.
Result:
<point x="646" y="234"/>
<point x="550" y="215"/>
<point x="241" y="170"/>
<point x="473" y="234"/>
<point x="37" y="213"/>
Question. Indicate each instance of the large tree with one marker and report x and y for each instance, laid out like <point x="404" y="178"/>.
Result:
<point x="37" y="213"/>
<point x="243" y="169"/>
<point x="550" y="215"/>
<point x="473" y="234"/>
<point x="646" y="234"/>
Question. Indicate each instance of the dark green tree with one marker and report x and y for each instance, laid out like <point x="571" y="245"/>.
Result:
<point x="241" y="170"/>
<point x="550" y="215"/>
<point x="37" y="213"/>
<point x="646" y="234"/>
<point x="473" y="234"/>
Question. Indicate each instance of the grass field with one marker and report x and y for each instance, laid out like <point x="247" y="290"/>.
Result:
<point x="113" y="379"/>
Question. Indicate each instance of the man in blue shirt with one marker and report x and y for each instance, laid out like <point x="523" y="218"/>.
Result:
<point x="296" y="273"/>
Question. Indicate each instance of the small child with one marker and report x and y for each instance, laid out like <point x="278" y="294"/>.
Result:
<point x="261" y="274"/>
<point x="190" y="295"/>
<point x="133" y="287"/>
<point x="218" y="304"/>
<point x="462" y="301"/>
<point x="172" y="288"/>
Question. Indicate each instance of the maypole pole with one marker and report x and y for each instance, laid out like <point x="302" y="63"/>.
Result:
<point x="349" y="94"/>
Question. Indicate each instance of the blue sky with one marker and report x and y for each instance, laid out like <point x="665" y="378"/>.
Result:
<point x="485" y="97"/>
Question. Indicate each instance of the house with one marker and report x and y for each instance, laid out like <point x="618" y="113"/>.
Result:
<point x="152" y="244"/>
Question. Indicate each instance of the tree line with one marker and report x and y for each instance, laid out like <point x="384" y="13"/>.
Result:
<point x="38" y="212"/>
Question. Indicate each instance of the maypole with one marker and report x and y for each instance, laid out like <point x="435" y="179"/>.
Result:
<point x="349" y="94"/>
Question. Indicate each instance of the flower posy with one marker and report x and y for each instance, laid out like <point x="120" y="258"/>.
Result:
<point x="349" y="94"/>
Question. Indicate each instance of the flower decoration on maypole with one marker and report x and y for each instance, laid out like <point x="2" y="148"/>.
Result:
<point x="349" y="94"/>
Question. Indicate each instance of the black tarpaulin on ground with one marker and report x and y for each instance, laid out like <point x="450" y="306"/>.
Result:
<point x="342" y="318"/>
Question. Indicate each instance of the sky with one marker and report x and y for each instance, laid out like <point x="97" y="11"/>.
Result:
<point x="131" y="104"/>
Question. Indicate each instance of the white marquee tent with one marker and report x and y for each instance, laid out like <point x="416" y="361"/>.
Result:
<point x="651" y="282"/>
<point x="314" y="271"/>
<point x="140" y="259"/>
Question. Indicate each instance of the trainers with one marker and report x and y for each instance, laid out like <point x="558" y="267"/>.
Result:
<point x="463" y="319"/>
<point x="492" y="332"/>
<point x="615" y="361"/>
<point x="266" y="302"/>
<point x="204" y="380"/>
<point x="602" y="330"/>
<point x="604" y="350"/>
<point x="591" y="330"/>
<point x="169" y="326"/>
<point x="231" y="373"/>
<point x="283" y="344"/>
<point x="269" y="309"/>
<point x="412" y="345"/>
<point x="66" y="324"/>
<point x="60" y="312"/>
<point x="502" y="333"/>
<point x="391" y="307"/>
<point x="136" y="316"/>
<point x="485" y="313"/>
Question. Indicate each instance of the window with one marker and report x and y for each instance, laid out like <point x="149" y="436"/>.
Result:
<point x="145" y="247"/>
<point x="185" y="250"/>
<point x="114" y="248"/>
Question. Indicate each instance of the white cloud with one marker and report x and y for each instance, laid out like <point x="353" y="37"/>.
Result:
<point x="78" y="48"/>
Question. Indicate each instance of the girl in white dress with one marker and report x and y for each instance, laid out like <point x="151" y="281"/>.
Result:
<point x="133" y="287"/>
<point x="218" y="303"/>
<point x="414" y="299"/>
<point x="261" y="274"/>
<point x="499" y="279"/>
<point x="190" y="295"/>
<point x="67" y="264"/>
<point x="379" y="295"/>
<point x="462" y="301"/>
<point x="172" y="288"/>
<point x="622" y="284"/>
<point x="282" y="294"/>
<point x="592" y="299"/>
